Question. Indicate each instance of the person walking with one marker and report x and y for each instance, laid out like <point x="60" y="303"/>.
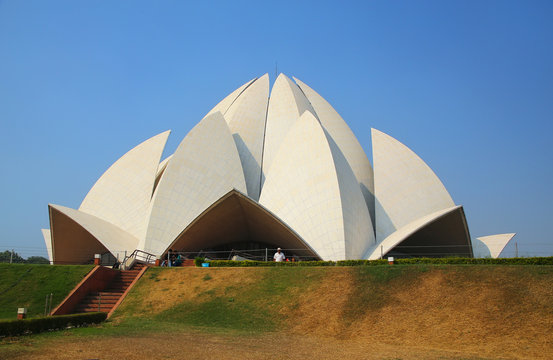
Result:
<point x="279" y="256"/>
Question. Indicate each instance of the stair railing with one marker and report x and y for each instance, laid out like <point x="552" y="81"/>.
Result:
<point x="137" y="256"/>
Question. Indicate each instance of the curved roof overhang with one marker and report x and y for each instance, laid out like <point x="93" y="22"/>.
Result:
<point x="233" y="218"/>
<point x="442" y="233"/>
<point x="71" y="243"/>
<point x="76" y="236"/>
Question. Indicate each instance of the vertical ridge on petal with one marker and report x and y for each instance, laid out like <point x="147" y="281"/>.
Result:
<point x="311" y="187"/>
<point x="358" y="226"/>
<point x="246" y="119"/>
<point x="286" y="104"/>
<point x="346" y="141"/>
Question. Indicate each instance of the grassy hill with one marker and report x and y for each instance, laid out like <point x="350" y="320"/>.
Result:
<point x="25" y="285"/>
<point x="380" y="312"/>
<point x="501" y="309"/>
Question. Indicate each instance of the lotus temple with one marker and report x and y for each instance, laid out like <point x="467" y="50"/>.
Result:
<point x="268" y="168"/>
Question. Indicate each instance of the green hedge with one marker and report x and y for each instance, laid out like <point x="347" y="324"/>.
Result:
<point x="480" y="261"/>
<point x="407" y="261"/>
<point x="36" y="325"/>
<point x="198" y="261"/>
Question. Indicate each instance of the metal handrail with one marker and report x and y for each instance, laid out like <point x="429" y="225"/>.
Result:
<point x="137" y="256"/>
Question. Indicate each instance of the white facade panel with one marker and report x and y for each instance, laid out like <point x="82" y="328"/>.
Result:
<point x="204" y="167"/>
<point x="406" y="189"/>
<point x="122" y="194"/>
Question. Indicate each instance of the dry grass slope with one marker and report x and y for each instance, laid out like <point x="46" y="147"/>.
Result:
<point x="407" y="312"/>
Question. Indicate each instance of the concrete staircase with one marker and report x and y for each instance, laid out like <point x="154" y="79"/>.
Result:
<point x="104" y="300"/>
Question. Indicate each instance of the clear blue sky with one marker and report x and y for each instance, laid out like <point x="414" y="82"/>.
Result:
<point x="468" y="85"/>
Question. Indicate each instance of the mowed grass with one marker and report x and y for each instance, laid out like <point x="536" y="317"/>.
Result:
<point x="26" y="285"/>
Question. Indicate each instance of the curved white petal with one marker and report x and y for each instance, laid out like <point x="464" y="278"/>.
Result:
<point x="122" y="194"/>
<point x="312" y="188"/>
<point x="346" y="141"/>
<point x="160" y="170"/>
<point x="204" y="167"/>
<point x="224" y="104"/>
<point x="48" y="241"/>
<point x="286" y="104"/>
<point x="358" y="226"/>
<point x="67" y="242"/>
<point x="162" y="166"/>
<point x="491" y="246"/>
<point x="246" y="119"/>
<point x="405" y="187"/>
<point x="393" y="240"/>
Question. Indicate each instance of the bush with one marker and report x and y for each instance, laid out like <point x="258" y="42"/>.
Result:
<point x="250" y="263"/>
<point x="36" y="325"/>
<point x="198" y="261"/>
<point x="361" y="262"/>
<point x="479" y="261"/>
<point x="407" y="261"/>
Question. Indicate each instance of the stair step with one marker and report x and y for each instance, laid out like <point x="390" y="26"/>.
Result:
<point x="106" y="299"/>
<point x="102" y="306"/>
<point x="93" y="309"/>
<point x="106" y="295"/>
<point x="101" y="301"/>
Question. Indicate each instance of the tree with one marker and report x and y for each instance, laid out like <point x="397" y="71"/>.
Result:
<point x="15" y="258"/>
<point x="37" y="260"/>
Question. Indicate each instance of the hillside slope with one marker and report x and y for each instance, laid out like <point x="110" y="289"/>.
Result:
<point x="486" y="310"/>
<point x="26" y="285"/>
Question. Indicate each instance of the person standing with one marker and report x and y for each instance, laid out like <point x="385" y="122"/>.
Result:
<point x="279" y="256"/>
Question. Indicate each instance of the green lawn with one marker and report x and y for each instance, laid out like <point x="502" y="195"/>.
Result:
<point x="26" y="285"/>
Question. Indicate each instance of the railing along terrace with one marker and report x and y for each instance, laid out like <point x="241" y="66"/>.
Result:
<point x="265" y="254"/>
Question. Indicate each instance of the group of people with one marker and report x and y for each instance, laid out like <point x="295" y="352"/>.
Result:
<point x="173" y="259"/>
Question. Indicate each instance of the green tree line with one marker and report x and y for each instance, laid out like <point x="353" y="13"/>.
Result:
<point x="16" y="258"/>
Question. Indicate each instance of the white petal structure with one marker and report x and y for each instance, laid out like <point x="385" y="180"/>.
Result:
<point x="286" y="105"/>
<point x="223" y="106"/>
<point x="260" y="172"/>
<point x="421" y="248"/>
<point x="406" y="189"/>
<point x="246" y="120"/>
<point x="122" y="194"/>
<point x="48" y="241"/>
<point x="312" y="188"/>
<point x="73" y="230"/>
<point x="346" y="141"/>
<point x="492" y="245"/>
<point x="205" y="166"/>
